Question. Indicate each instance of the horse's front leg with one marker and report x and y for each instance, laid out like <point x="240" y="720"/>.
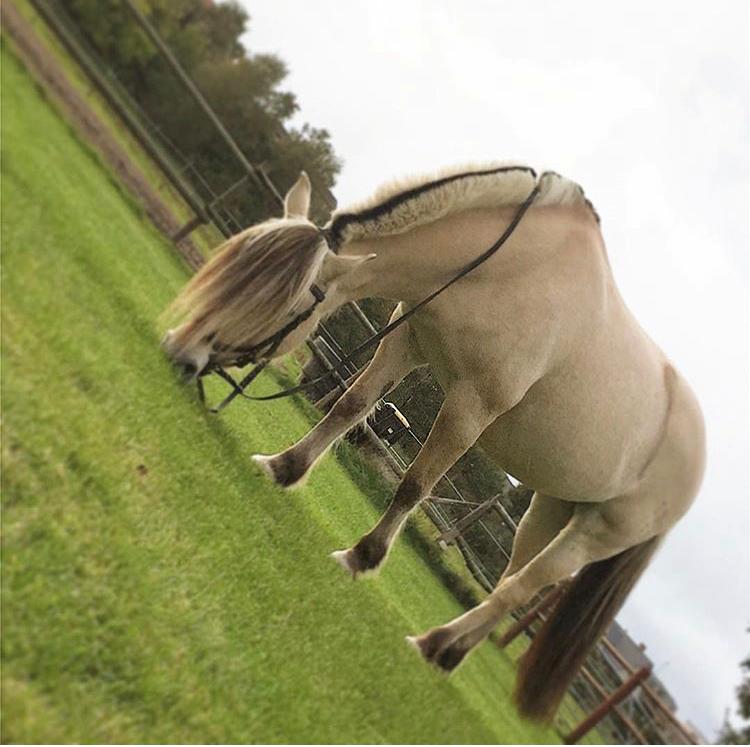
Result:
<point x="460" y="422"/>
<point x="393" y="360"/>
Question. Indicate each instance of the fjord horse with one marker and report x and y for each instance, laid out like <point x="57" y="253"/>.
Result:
<point x="541" y="363"/>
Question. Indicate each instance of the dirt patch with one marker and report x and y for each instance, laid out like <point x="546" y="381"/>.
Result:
<point x="45" y="69"/>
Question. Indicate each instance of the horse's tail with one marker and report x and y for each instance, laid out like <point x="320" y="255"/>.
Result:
<point x="582" y="614"/>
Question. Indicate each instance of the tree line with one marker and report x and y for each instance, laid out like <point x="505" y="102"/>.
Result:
<point x="244" y="88"/>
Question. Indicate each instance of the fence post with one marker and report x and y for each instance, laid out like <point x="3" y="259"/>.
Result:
<point x="602" y="710"/>
<point x="658" y="702"/>
<point x="634" y="730"/>
<point x="450" y="535"/>
<point x="188" y="228"/>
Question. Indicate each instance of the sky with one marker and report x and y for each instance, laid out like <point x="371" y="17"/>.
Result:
<point x="645" y="105"/>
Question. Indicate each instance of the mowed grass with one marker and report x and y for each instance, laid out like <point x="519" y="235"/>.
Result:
<point x="156" y="588"/>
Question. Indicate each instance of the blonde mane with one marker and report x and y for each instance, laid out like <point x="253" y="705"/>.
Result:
<point x="404" y="204"/>
<point x="254" y="279"/>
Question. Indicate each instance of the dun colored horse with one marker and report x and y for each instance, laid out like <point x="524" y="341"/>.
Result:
<point x="541" y="363"/>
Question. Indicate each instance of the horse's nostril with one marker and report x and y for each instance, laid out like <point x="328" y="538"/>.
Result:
<point x="189" y="369"/>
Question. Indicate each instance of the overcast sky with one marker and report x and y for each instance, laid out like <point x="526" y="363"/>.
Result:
<point x="645" y="104"/>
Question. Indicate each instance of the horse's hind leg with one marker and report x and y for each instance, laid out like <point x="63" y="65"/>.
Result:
<point x="461" y="420"/>
<point x="393" y="360"/>
<point x="591" y="535"/>
<point x="542" y="522"/>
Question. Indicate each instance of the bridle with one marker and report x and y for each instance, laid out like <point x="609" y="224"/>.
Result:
<point x="246" y="355"/>
<point x="260" y="353"/>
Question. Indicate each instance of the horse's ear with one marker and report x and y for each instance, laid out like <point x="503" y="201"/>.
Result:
<point x="335" y="266"/>
<point x="297" y="200"/>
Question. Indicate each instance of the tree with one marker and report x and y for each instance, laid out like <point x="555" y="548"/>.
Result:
<point x="244" y="89"/>
<point x="740" y="735"/>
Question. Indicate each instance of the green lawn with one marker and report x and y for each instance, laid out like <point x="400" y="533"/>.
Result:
<point x="155" y="587"/>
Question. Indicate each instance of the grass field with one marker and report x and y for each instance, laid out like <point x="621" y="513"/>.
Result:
<point x="155" y="586"/>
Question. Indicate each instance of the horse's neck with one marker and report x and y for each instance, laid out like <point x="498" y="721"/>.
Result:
<point x="557" y="249"/>
<point x="410" y="265"/>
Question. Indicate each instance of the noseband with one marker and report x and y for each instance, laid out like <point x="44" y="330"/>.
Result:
<point x="243" y="356"/>
<point x="261" y="353"/>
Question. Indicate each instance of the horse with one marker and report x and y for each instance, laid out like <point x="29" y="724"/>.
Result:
<point x="541" y="363"/>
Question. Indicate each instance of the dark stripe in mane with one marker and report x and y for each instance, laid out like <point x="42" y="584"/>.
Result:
<point x="339" y="224"/>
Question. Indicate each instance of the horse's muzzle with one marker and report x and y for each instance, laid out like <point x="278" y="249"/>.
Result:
<point x="190" y="363"/>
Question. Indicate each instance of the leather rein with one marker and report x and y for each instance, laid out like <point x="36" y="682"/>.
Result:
<point x="268" y="346"/>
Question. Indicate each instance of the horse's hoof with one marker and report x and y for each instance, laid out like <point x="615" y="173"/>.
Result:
<point x="449" y="658"/>
<point x="357" y="564"/>
<point x="419" y="644"/>
<point x="413" y="641"/>
<point x="434" y="647"/>
<point x="281" y="468"/>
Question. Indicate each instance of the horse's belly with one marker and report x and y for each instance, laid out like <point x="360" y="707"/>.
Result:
<point x="582" y="445"/>
<point x="551" y="466"/>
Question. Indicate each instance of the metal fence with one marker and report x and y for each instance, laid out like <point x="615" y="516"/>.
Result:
<point x="639" y="718"/>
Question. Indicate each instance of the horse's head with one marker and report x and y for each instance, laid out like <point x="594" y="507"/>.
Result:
<point x="254" y="285"/>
